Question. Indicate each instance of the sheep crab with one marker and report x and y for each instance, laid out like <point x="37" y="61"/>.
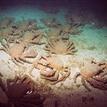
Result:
<point x="60" y="46"/>
<point x="95" y="74"/>
<point x="18" y="52"/>
<point x="52" y="69"/>
<point x="33" y="37"/>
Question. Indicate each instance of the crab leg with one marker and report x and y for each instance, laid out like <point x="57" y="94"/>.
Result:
<point x="76" y="76"/>
<point x="19" y="60"/>
<point x="4" y="48"/>
<point x="63" y="77"/>
<point x="5" y="45"/>
<point x="16" y="61"/>
<point x="70" y="45"/>
<point x="51" y="44"/>
<point x="53" y="78"/>
<point x="35" y="40"/>
<point x="46" y="48"/>
<point x="24" y="60"/>
<point x="72" y="51"/>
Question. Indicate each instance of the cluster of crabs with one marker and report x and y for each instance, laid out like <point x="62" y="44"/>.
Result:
<point x="52" y="67"/>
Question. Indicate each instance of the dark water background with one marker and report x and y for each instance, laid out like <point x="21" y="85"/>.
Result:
<point x="98" y="8"/>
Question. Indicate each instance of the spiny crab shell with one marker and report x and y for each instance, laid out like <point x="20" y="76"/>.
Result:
<point x="94" y="73"/>
<point x="18" y="52"/>
<point x="90" y="69"/>
<point x="53" y="69"/>
<point x="60" y="46"/>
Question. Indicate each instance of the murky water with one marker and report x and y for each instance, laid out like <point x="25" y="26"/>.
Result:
<point x="85" y="33"/>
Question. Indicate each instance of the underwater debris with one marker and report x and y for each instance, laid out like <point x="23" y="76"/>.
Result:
<point x="60" y="46"/>
<point x="52" y="69"/>
<point x="19" y="92"/>
<point x="93" y="73"/>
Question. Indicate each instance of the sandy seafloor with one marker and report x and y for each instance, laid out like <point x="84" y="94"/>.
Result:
<point x="91" y="43"/>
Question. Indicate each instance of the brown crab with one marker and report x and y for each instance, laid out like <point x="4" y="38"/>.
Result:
<point x="94" y="73"/>
<point x="60" y="46"/>
<point x="19" y="92"/>
<point x="18" y="52"/>
<point x="53" y="69"/>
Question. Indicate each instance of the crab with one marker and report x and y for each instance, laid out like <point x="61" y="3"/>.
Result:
<point x="27" y="25"/>
<point x="19" y="92"/>
<point x="5" y="22"/>
<point x="32" y="37"/>
<point x="93" y="73"/>
<point x="19" y="52"/>
<point x="51" y="22"/>
<point x="70" y="29"/>
<point x="53" y="69"/>
<point x="60" y="46"/>
<point x="9" y="34"/>
<point x="54" y="32"/>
